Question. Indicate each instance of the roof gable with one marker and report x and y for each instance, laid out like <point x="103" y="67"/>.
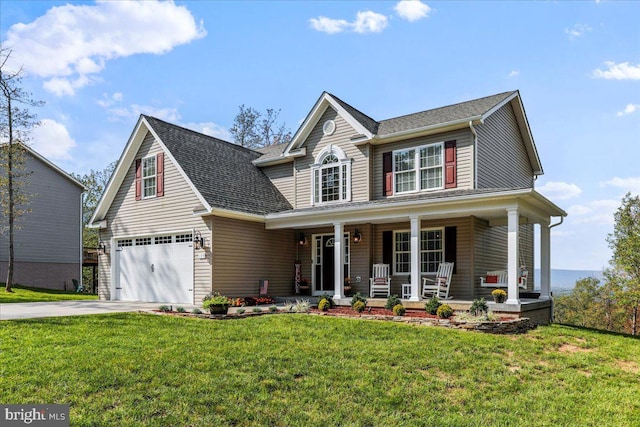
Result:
<point x="220" y="173"/>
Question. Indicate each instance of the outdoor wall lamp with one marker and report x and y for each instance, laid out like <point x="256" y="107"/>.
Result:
<point x="198" y="240"/>
<point x="102" y="248"/>
<point x="302" y="239"/>
<point x="357" y="237"/>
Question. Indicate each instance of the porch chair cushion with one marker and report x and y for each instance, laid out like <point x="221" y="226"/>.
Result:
<point x="490" y="278"/>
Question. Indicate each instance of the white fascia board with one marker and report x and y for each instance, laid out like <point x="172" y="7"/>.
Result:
<point x="98" y="224"/>
<point x="227" y="213"/>
<point x="423" y="131"/>
<point x="300" y="152"/>
<point x="499" y="105"/>
<point x="445" y="206"/>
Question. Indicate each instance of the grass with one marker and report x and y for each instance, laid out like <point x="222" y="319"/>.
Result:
<point x="24" y="294"/>
<point x="301" y="370"/>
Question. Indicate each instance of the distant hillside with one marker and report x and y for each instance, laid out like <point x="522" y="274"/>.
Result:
<point x="566" y="279"/>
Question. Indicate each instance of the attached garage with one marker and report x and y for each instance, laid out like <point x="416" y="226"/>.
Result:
<point x="155" y="269"/>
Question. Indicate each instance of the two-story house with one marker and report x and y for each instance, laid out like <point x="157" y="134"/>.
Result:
<point x="186" y="214"/>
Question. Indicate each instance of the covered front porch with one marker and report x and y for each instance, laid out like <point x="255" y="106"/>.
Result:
<point x="478" y="230"/>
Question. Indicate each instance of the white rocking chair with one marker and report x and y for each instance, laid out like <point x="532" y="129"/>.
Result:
<point x="380" y="280"/>
<point x="439" y="287"/>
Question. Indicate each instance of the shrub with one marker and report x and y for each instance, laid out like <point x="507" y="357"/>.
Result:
<point x="479" y="307"/>
<point x="273" y="309"/>
<point x="302" y="306"/>
<point x="399" y="310"/>
<point x="196" y="311"/>
<point x="215" y="299"/>
<point x="289" y="307"/>
<point x="240" y="311"/>
<point x="444" y="311"/>
<point x="358" y="297"/>
<point x="165" y="309"/>
<point x="181" y="310"/>
<point x="329" y="298"/>
<point x="433" y="305"/>
<point x="392" y="302"/>
<point x="359" y="306"/>
<point x="257" y="310"/>
<point x="324" y="304"/>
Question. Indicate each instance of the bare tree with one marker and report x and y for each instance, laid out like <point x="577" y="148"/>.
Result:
<point x="252" y="129"/>
<point x="16" y="123"/>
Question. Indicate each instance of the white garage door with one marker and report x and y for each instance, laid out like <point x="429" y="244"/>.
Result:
<point x="155" y="269"/>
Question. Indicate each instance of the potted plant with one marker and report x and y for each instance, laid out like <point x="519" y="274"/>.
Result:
<point x="216" y="303"/>
<point x="347" y="286"/>
<point x="499" y="295"/>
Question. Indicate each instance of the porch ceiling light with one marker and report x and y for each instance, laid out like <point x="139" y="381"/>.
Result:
<point x="357" y="237"/>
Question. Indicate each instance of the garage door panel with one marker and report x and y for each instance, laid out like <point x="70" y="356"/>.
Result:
<point x="156" y="273"/>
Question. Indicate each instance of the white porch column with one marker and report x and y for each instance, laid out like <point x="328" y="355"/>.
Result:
<point x="545" y="261"/>
<point x="513" y="225"/>
<point x="415" y="258"/>
<point x="338" y="260"/>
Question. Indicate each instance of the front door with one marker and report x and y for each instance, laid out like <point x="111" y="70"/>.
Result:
<point x="324" y="250"/>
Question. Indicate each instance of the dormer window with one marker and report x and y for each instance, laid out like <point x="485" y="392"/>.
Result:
<point x="331" y="177"/>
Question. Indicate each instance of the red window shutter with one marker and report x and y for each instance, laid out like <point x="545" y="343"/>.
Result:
<point x="138" y="179"/>
<point x="387" y="174"/>
<point x="160" y="174"/>
<point x="450" y="168"/>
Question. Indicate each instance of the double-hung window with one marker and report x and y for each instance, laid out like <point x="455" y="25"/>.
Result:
<point x="431" y="251"/>
<point x="149" y="177"/>
<point x="419" y="168"/>
<point x="331" y="177"/>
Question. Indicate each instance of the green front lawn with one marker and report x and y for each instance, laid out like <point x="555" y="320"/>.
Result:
<point x="24" y="294"/>
<point x="302" y="370"/>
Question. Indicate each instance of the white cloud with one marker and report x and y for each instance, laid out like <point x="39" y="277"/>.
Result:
<point x="69" y="45"/>
<point x="328" y="25"/>
<point x="622" y="71"/>
<point x="629" y="109"/>
<point x="514" y="73"/>
<point x="577" y="30"/>
<point x="211" y="129"/>
<point x="110" y="100"/>
<point x="412" y="10"/>
<point x="595" y="212"/>
<point x="133" y="112"/>
<point x="365" y="22"/>
<point x="630" y="184"/>
<point x="559" y="190"/>
<point x="52" y="140"/>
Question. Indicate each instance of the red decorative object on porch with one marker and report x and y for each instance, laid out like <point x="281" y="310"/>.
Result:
<point x="491" y="279"/>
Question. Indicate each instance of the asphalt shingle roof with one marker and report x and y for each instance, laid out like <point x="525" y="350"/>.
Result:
<point x="221" y="171"/>
<point x="370" y="124"/>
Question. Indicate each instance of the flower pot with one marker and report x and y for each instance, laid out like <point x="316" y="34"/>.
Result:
<point x="218" y="309"/>
<point x="499" y="299"/>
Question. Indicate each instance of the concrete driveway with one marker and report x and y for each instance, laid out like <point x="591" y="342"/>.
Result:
<point x="30" y="310"/>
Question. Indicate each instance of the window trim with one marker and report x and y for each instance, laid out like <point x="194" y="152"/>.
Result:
<point x="144" y="178"/>
<point x="344" y="175"/>
<point x="422" y="273"/>
<point x="417" y="169"/>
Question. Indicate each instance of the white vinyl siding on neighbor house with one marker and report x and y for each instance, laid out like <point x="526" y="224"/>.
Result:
<point x="431" y="250"/>
<point x="149" y="177"/>
<point x="158" y="216"/>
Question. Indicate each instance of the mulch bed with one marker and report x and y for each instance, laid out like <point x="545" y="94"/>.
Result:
<point x="375" y="311"/>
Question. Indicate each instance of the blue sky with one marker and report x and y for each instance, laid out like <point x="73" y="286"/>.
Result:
<point x="98" y="65"/>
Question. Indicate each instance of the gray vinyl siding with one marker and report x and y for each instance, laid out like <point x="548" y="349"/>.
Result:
<point x="47" y="239"/>
<point x="244" y="253"/>
<point x="502" y="158"/>
<point x="282" y="177"/>
<point x="315" y="143"/>
<point x="491" y="252"/>
<point x="171" y="213"/>
<point x="464" y="160"/>
<point x="461" y="287"/>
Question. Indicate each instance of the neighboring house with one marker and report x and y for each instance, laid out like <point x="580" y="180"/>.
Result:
<point x="48" y="239"/>
<point x="450" y="184"/>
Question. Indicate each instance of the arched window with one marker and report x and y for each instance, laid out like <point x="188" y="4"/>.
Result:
<point x="331" y="176"/>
